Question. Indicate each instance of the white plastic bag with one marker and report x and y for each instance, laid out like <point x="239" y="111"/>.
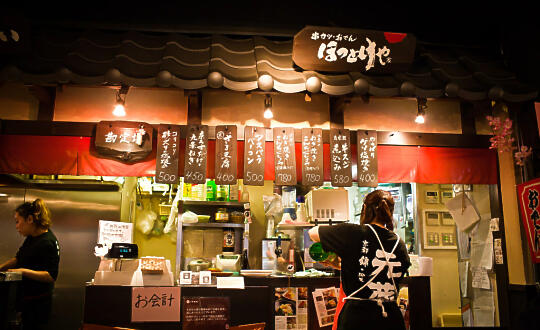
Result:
<point x="144" y="221"/>
<point x="189" y="217"/>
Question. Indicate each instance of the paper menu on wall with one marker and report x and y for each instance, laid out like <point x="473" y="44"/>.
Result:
<point x="291" y="308"/>
<point x="114" y="232"/>
<point x="326" y="302"/>
<point x="480" y="278"/>
<point x="482" y="245"/>
<point x="463" y="211"/>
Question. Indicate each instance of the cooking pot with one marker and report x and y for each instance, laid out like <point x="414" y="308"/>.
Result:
<point x="197" y="265"/>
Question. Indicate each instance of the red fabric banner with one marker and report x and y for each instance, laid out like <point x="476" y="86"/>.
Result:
<point x="77" y="156"/>
<point x="529" y="204"/>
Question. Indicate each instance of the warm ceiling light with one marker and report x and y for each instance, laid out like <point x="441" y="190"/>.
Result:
<point x="307" y="98"/>
<point x="268" y="107"/>
<point x="420" y="114"/>
<point x="119" y="107"/>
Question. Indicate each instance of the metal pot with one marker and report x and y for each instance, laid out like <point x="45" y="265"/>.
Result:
<point x="197" y="265"/>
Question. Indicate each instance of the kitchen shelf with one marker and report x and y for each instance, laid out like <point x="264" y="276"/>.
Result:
<point x="212" y="203"/>
<point x="294" y="226"/>
<point x="214" y="225"/>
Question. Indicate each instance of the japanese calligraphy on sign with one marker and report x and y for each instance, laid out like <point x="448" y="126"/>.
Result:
<point x="114" y="232"/>
<point x="205" y="313"/>
<point x="529" y="203"/>
<point x="226" y="154"/>
<point x="366" y="148"/>
<point x="254" y="155"/>
<point x="312" y="157"/>
<point x="343" y="50"/>
<point x="167" y="154"/>
<point x="340" y="157"/>
<point x="196" y="153"/>
<point x="284" y="156"/>
<point x="155" y="304"/>
<point x="125" y="140"/>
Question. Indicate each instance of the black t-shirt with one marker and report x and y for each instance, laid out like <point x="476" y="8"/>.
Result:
<point x="39" y="253"/>
<point x="361" y="256"/>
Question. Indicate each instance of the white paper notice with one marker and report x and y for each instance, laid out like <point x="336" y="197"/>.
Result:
<point x="482" y="245"/>
<point x="494" y="224"/>
<point x="497" y="250"/>
<point x="463" y="211"/>
<point x="480" y="278"/>
<point x="114" y="232"/>
<point x="234" y="282"/>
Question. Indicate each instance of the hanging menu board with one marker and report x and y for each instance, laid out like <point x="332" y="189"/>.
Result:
<point x="366" y="143"/>
<point x="205" y="313"/>
<point x="254" y="148"/>
<point x="167" y="154"/>
<point x="284" y="156"/>
<point x="226" y="154"/>
<point x="312" y="157"/>
<point x="127" y="141"/>
<point x="340" y="157"/>
<point x="196" y="150"/>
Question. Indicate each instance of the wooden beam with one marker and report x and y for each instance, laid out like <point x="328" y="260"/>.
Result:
<point x="194" y="108"/>
<point x="46" y="97"/>
<point x="337" y="107"/>
<point x="467" y="118"/>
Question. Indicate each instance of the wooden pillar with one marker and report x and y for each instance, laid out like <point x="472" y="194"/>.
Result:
<point x="46" y="97"/>
<point x="194" y="116"/>
<point x="467" y="118"/>
<point x="337" y="107"/>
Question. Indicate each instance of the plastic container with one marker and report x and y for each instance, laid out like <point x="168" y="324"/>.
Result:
<point x="288" y="197"/>
<point x="222" y="215"/>
<point x="203" y="218"/>
<point x="237" y="217"/>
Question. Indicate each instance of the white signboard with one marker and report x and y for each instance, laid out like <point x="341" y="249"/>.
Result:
<point x="155" y="304"/>
<point x="115" y="232"/>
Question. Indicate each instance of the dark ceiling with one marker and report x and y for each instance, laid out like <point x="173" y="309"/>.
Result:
<point x="510" y="30"/>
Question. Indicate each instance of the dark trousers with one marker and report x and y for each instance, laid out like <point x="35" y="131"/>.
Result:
<point x="36" y="313"/>
<point x="367" y="315"/>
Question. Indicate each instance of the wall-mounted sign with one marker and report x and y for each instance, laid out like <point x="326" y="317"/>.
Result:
<point x="196" y="152"/>
<point x="127" y="141"/>
<point x="345" y="50"/>
<point x="167" y="154"/>
<point x="205" y="313"/>
<point x="226" y="145"/>
<point x="254" y="148"/>
<point x="312" y="157"/>
<point x="155" y="304"/>
<point x="367" y="168"/>
<point x="529" y="204"/>
<point x="284" y="156"/>
<point x="114" y="232"/>
<point x="340" y="157"/>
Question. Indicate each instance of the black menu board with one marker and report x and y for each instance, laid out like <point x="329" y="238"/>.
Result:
<point x="312" y="157"/>
<point x="226" y="154"/>
<point x="366" y="143"/>
<point x="196" y="151"/>
<point x="254" y="148"/>
<point x="167" y="154"/>
<point x="340" y="157"/>
<point x="205" y="313"/>
<point x="127" y="141"/>
<point x="284" y="156"/>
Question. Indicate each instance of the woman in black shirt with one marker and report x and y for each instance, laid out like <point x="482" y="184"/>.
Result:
<point x="373" y="261"/>
<point x="37" y="260"/>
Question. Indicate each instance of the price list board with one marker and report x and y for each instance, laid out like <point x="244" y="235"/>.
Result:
<point x="312" y="157"/>
<point x="284" y="156"/>
<point x="254" y="155"/>
<point x="196" y="153"/>
<point x="167" y="154"/>
<point x="340" y="157"/>
<point x="226" y="161"/>
<point x="366" y="143"/>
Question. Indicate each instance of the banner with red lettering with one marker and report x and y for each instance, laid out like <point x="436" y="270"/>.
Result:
<point x="529" y="204"/>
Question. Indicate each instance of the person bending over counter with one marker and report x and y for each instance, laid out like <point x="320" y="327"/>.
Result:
<point x="37" y="260"/>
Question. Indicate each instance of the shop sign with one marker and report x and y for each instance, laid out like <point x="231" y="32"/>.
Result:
<point x="196" y="153"/>
<point x="284" y="156"/>
<point x="155" y="304"/>
<point x="312" y="157"/>
<point x="529" y="203"/>
<point x="254" y="155"/>
<point x="347" y="50"/>
<point x="124" y="140"/>
<point x="207" y="313"/>
<point x="367" y="167"/>
<point x="340" y="157"/>
<point x="226" y="161"/>
<point x="167" y="154"/>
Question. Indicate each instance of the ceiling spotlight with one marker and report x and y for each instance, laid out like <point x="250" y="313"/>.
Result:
<point x="119" y="107"/>
<point x="420" y="114"/>
<point x="268" y="107"/>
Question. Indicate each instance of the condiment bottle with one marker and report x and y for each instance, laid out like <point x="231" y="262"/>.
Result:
<point x="317" y="253"/>
<point x="228" y="240"/>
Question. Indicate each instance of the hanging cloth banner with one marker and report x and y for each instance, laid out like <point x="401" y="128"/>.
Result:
<point x="254" y="155"/>
<point x="226" y="160"/>
<point x="284" y="156"/>
<point x="529" y="204"/>
<point x="196" y="152"/>
<point x="168" y="146"/>
<point x="312" y="157"/>
<point x="340" y="157"/>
